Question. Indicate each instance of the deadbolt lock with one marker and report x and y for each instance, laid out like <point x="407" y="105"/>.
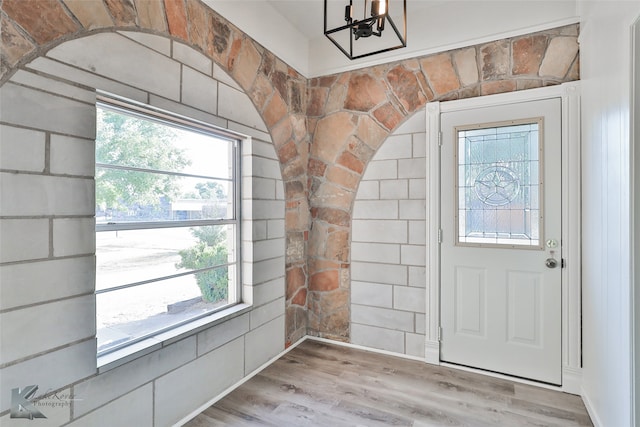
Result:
<point x="552" y="243"/>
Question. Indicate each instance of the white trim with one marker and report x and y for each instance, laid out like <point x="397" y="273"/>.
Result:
<point x="571" y="228"/>
<point x="590" y="410"/>
<point x="139" y="347"/>
<point x="634" y="133"/>
<point x="571" y="380"/>
<point x="432" y="340"/>
<point x="363" y="348"/>
<point x="231" y="388"/>
<point x="506" y="98"/>
<point x="432" y="352"/>
<point x="124" y="355"/>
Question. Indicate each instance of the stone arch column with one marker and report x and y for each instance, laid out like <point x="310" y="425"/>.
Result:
<point x="30" y="28"/>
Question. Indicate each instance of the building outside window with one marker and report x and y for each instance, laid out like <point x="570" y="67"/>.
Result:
<point x="167" y="222"/>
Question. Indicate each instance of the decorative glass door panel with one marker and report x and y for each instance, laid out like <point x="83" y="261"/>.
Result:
<point x="498" y="184"/>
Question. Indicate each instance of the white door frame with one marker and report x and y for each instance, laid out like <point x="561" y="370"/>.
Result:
<point x="571" y="226"/>
<point x="635" y="206"/>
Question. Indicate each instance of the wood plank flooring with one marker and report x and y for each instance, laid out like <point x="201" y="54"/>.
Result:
<point x="317" y="384"/>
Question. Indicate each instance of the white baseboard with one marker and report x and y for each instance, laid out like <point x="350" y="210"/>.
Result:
<point x="231" y="388"/>
<point x="591" y="410"/>
<point x="360" y="347"/>
<point x="572" y="380"/>
<point x="432" y="352"/>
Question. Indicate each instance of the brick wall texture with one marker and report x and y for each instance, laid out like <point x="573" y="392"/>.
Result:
<point x="325" y="130"/>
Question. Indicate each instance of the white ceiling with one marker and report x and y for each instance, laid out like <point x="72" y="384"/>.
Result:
<point x="293" y="29"/>
<point x="301" y="12"/>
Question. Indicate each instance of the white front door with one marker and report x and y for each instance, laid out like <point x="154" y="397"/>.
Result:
<point x="501" y="251"/>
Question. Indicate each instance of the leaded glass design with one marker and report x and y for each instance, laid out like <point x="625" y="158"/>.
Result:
<point x="498" y="186"/>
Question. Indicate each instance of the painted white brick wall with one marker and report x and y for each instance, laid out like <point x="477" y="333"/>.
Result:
<point x="186" y="55"/>
<point x="37" y="282"/>
<point x="375" y="294"/>
<point x="86" y="78"/>
<point x="199" y="90"/>
<point x="47" y="326"/>
<point x="47" y="237"/>
<point x="235" y="105"/>
<point x="213" y="338"/>
<point x="134" y="409"/>
<point x="268" y="291"/>
<point x="73" y="236"/>
<point x="109" y="385"/>
<point x="35" y="109"/>
<point x="21" y="149"/>
<point x="381" y="338"/>
<point x="68" y="156"/>
<point x="388" y="256"/>
<point x="24" y="239"/>
<point x="176" y="393"/>
<point x="38" y="195"/>
<point x="263" y="342"/>
<point x="53" y="370"/>
<point x="138" y="61"/>
<point x="55" y="87"/>
<point x="158" y="44"/>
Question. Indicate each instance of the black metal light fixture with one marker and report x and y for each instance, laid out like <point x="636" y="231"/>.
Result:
<point x="366" y="36"/>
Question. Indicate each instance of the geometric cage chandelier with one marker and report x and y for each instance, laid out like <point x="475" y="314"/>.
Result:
<point x="358" y="28"/>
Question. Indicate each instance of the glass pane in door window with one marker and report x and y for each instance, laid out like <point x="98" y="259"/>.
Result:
<point x="499" y="188"/>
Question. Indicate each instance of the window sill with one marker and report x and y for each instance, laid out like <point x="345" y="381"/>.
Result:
<point x="134" y="351"/>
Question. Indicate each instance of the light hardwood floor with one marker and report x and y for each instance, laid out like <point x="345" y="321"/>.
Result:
<point x="317" y="384"/>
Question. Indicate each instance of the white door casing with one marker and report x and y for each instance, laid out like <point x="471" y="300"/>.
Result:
<point x="500" y="202"/>
<point x="570" y="185"/>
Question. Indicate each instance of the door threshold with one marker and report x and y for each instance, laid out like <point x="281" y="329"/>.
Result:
<point x="511" y="378"/>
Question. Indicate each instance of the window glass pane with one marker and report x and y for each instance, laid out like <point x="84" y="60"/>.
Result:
<point x="127" y="140"/>
<point x="153" y="272"/>
<point x="498" y="186"/>
<point x="133" y="196"/>
<point x="132" y="313"/>
<point x="131" y="256"/>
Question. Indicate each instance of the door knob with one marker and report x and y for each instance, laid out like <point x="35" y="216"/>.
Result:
<point x="551" y="263"/>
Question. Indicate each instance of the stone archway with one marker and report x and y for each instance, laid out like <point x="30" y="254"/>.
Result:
<point x="31" y="28"/>
<point x="351" y="114"/>
<point x="325" y="130"/>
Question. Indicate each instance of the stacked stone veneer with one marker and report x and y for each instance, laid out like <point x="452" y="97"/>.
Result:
<point x="325" y="130"/>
